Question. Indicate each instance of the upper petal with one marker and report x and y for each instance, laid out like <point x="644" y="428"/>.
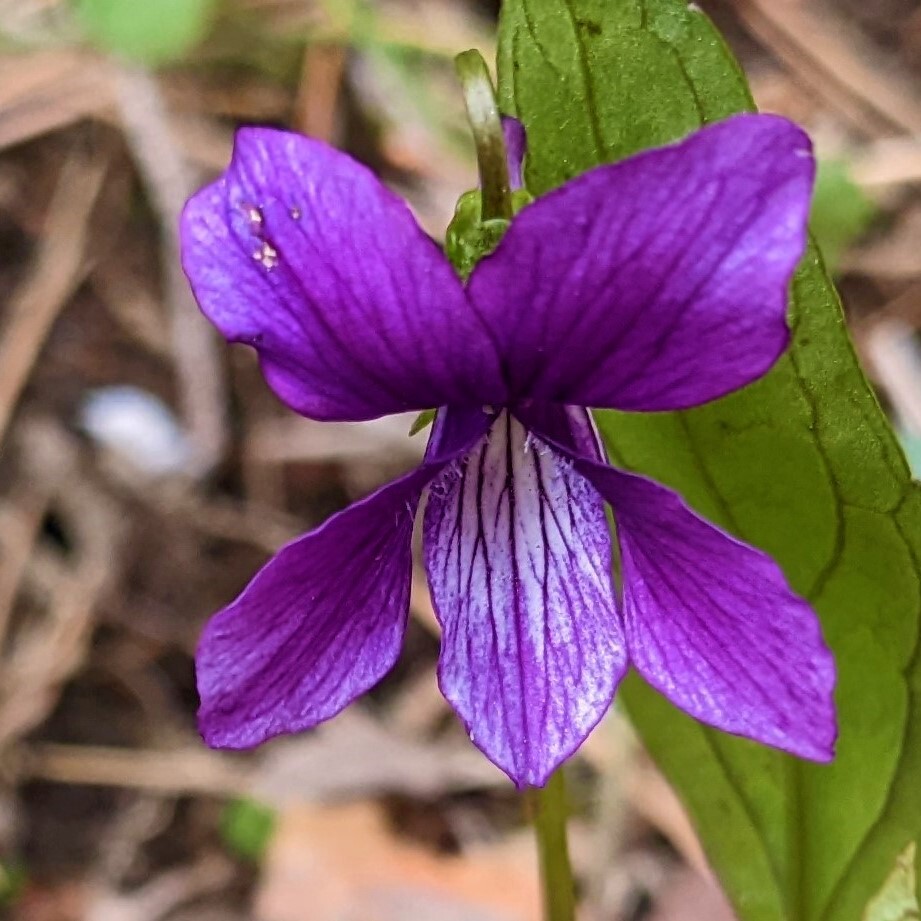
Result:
<point x="323" y="620"/>
<point x="300" y="252"/>
<point x="518" y="555"/>
<point x="659" y="282"/>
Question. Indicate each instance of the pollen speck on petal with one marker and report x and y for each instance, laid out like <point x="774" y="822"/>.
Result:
<point x="266" y="255"/>
<point x="253" y="215"/>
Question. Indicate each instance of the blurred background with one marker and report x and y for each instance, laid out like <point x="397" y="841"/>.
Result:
<point x="146" y="471"/>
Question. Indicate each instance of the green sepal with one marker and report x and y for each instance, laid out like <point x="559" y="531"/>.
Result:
<point x="469" y="238"/>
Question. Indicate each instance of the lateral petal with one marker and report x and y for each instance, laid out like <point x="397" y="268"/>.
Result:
<point x="711" y="621"/>
<point x="323" y="620"/>
<point x="518" y="555"/>
<point x="299" y="251"/>
<point x="659" y="282"/>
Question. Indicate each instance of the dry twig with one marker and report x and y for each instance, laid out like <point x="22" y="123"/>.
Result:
<point x="317" y="98"/>
<point x="817" y="48"/>
<point x="193" y="771"/>
<point x="48" y="90"/>
<point x="58" y="269"/>
<point x="49" y="648"/>
<point x="169" y="183"/>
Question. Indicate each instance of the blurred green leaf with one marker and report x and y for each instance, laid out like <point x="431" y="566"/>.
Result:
<point x="841" y="212"/>
<point x="247" y="827"/>
<point x="149" y="31"/>
<point x="802" y="464"/>
<point x="12" y="879"/>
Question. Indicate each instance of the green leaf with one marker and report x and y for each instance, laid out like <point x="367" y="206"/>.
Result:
<point x="247" y="827"/>
<point x="840" y="210"/>
<point x="802" y="464"/>
<point x="149" y="31"/>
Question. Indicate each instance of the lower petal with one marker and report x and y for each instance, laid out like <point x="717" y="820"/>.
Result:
<point x="713" y="625"/>
<point x="519" y="558"/>
<point x="323" y="620"/>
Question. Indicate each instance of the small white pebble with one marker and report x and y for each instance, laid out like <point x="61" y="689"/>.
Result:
<point x="138" y="426"/>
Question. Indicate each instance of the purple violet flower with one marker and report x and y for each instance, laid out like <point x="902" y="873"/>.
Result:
<point x="656" y="283"/>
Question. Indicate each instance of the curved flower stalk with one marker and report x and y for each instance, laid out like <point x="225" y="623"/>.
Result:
<point x="657" y="283"/>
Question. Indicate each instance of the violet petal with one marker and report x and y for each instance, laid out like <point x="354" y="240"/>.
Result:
<point x="711" y="621"/>
<point x="300" y="252"/>
<point x="518" y="555"/>
<point x="659" y="282"/>
<point x="323" y="620"/>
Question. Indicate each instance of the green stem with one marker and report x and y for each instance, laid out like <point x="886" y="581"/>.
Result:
<point x="550" y="811"/>
<point x="486" y="125"/>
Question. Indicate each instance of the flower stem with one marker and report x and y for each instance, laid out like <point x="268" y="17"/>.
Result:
<point x="486" y="125"/>
<point x="549" y="811"/>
